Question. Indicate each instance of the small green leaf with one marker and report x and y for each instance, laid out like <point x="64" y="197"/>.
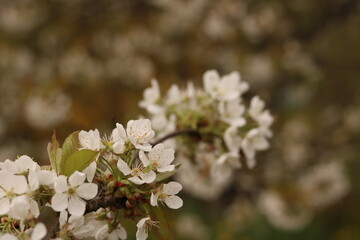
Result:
<point x="71" y="145"/>
<point x="54" y="152"/>
<point x="164" y="175"/>
<point x="77" y="161"/>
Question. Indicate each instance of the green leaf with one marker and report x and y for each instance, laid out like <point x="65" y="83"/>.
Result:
<point x="164" y="175"/>
<point x="71" y="145"/>
<point x="54" y="152"/>
<point x="77" y="161"/>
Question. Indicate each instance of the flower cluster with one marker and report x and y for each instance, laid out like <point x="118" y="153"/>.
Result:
<point x="217" y="129"/>
<point x="93" y="183"/>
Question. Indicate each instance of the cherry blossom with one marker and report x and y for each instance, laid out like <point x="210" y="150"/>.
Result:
<point x="159" y="158"/>
<point x="90" y="140"/>
<point x="166" y="194"/>
<point x="118" y="139"/>
<point x="151" y="96"/>
<point x="70" y="193"/>
<point x="226" y="88"/>
<point x="139" y="176"/>
<point x="143" y="227"/>
<point x="139" y="133"/>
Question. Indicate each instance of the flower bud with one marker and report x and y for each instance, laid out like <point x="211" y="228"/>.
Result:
<point x="128" y="204"/>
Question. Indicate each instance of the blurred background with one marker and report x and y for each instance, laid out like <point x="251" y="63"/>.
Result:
<point x="70" y="65"/>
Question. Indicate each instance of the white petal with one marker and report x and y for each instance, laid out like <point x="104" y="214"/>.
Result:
<point x="90" y="171"/>
<point x="77" y="178"/>
<point x="76" y="222"/>
<point x="39" y="232"/>
<point x="123" y="167"/>
<point x="102" y="232"/>
<point x="121" y="232"/>
<point x="26" y="163"/>
<point x="4" y="206"/>
<point x="167" y="168"/>
<point x="76" y="206"/>
<point x="60" y="184"/>
<point x="143" y="158"/>
<point x="33" y="181"/>
<point x="121" y="130"/>
<point x="63" y="218"/>
<point x="143" y="146"/>
<point x="172" y="188"/>
<point x="59" y="202"/>
<point x="136" y="180"/>
<point x="167" y="157"/>
<point x="142" y="222"/>
<point x="119" y="147"/>
<point x="141" y="233"/>
<point x="148" y="177"/>
<point x="87" y="190"/>
<point x="2" y="193"/>
<point x="46" y="177"/>
<point x="153" y="200"/>
<point x="8" y="236"/>
<point x="34" y="208"/>
<point x="19" y="184"/>
<point x="19" y="208"/>
<point x="173" y="202"/>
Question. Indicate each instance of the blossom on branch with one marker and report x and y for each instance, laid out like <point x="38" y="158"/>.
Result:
<point x="71" y="193"/>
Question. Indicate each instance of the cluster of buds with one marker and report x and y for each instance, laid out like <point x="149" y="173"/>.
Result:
<point x="215" y="126"/>
<point x="93" y="183"/>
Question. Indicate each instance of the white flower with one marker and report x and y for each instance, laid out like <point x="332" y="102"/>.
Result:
<point x="151" y="96"/>
<point x="139" y="176"/>
<point x="139" y="133"/>
<point x="90" y="140"/>
<point x="22" y="207"/>
<point x="281" y="214"/>
<point x="324" y="184"/>
<point x="174" y="95"/>
<point x="253" y="141"/>
<point x="10" y="185"/>
<point x="20" y="165"/>
<point x="227" y="88"/>
<point x="71" y="224"/>
<point x="159" y="158"/>
<point x="261" y="116"/>
<point x="143" y="227"/>
<point x="167" y="194"/>
<point x="71" y="196"/>
<point x="232" y="112"/>
<point x="118" y="232"/>
<point x="118" y="139"/>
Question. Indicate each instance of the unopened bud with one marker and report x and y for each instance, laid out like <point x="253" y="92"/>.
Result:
<point x="128" y="204"/>
<point x="137" y="196"/>
<point x="119" y="184"/>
